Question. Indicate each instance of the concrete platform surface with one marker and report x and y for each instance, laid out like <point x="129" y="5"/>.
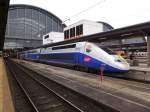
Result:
<point x="140" y="68"/>
<point x="139" y="73"/>
<point x="122" y="94"/>
<point x="6" y="104"/>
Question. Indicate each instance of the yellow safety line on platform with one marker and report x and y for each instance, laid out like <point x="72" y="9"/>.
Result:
<point x="6" y="104"/>
<point x="1" y="86"/>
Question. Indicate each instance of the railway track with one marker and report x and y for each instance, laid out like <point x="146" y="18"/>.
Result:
<point x="20" y="100"/>
<point x="45" y="95"/>
<point x="40" y="97"/>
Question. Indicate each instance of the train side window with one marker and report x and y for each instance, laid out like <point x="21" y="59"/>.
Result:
<point x="64" y="47"/>
<point x="57" y="56"/>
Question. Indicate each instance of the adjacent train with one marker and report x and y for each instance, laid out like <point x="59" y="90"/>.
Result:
<point x="80" y="54"/>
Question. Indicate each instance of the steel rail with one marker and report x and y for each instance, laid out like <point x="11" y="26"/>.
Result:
<point x="69" y="103"/>
<point x="40" y="77"/>
<point x="13" y="73"/>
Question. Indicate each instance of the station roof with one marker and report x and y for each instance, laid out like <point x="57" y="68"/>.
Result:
<point x="120" y="33"/>
<point x="26" y="25"/>
<point x="4" y="4"/>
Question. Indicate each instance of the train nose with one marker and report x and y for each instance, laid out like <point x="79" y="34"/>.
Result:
<point x="121" y="63"/>
<point x="124" y="66"/>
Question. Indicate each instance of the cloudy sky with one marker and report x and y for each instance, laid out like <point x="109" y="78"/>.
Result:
<point x="118" y="13"/>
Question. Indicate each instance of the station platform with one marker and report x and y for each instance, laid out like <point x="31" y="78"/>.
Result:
<point x="139" y="73"/>
<point x="140" y="68"/>
<point x="123" y="95"/>
<point x="6" y="104"/>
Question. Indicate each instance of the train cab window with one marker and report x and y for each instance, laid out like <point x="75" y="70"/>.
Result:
<point x="108" y="50"/>
<point x="47" y="36"/>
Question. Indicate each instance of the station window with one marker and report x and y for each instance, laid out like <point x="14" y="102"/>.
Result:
<point x="79" y="29"/>
<point x="72" y="32"/>
<point x="66" y="34"/>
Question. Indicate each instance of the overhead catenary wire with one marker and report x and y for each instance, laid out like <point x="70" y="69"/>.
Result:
<point x="90" y="7"/>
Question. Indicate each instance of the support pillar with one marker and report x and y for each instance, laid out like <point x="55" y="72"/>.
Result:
<point x="148" y="50"/>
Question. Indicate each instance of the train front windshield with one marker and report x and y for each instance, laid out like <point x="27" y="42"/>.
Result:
<point x="108" y="50"/>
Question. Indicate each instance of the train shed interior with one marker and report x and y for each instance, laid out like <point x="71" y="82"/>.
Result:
<point x="61" y="88"/>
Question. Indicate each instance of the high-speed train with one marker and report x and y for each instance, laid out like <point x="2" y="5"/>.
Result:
<point x="81" y="54"/>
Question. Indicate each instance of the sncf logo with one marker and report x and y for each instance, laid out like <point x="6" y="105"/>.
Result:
<point x="87" y="58"/>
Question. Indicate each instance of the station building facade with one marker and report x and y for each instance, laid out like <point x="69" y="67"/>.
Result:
<point x="27" y="24"/>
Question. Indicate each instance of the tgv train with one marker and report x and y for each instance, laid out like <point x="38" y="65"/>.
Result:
<point x="80" y="54"/>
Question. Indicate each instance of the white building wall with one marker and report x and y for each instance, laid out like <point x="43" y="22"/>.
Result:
<point x="89" y="27"/>
<point x="74" y="25"/>
<point x="53" y="37"/>
<point x="92" y="28"/>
